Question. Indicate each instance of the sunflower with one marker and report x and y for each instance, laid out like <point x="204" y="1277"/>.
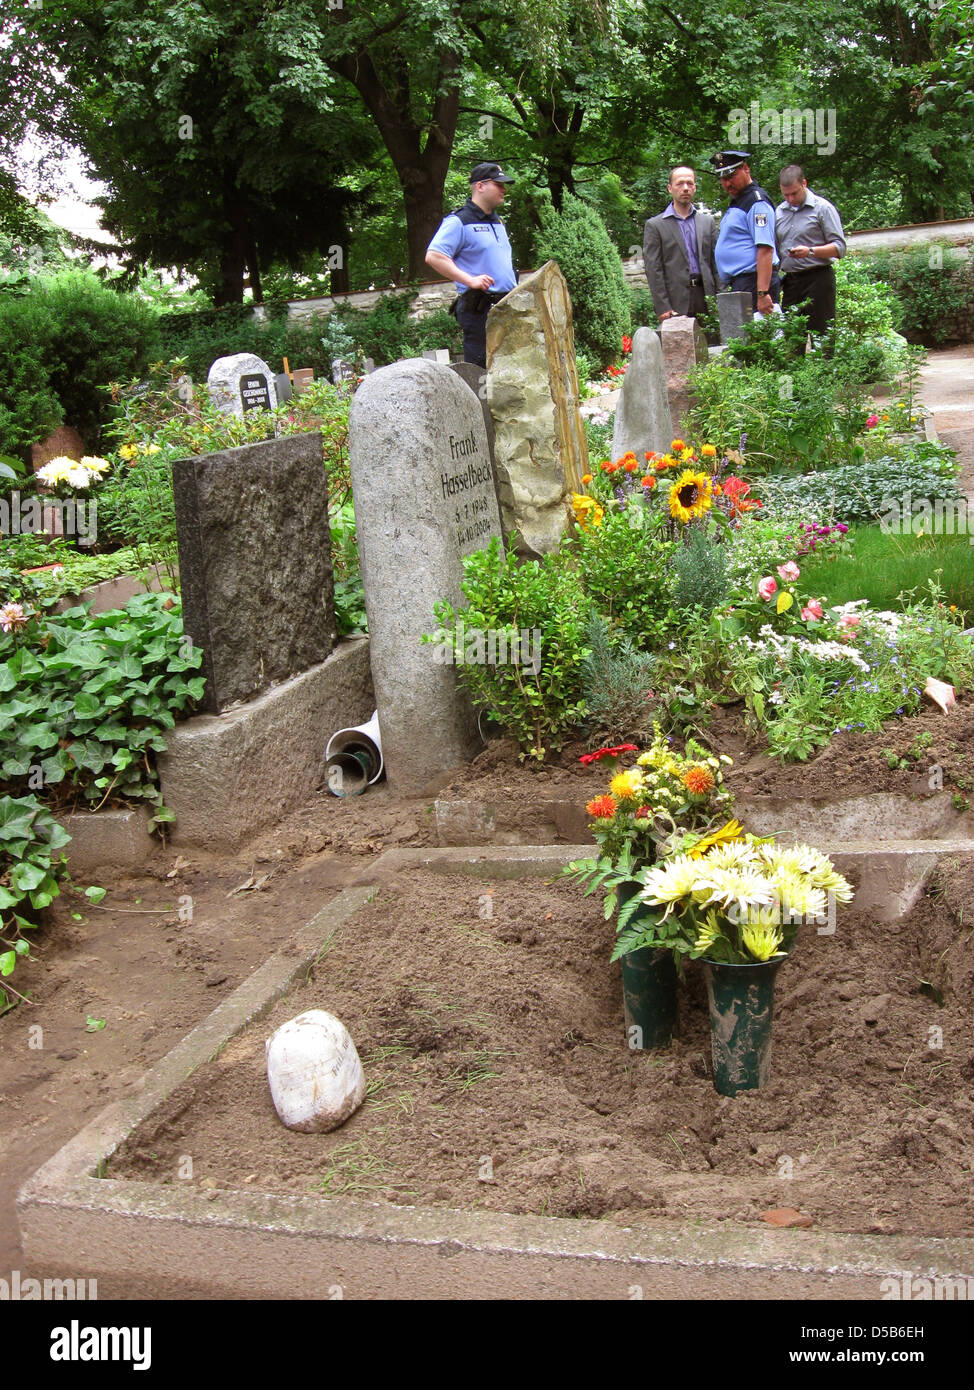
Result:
<point x="690" y="496"/>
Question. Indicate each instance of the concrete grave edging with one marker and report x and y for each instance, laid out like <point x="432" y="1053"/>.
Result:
<point x="149" y="1239"/>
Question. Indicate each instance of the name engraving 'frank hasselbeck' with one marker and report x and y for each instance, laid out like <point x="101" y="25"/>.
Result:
<point x="471" y="477"/>
<point x="460" y="448"/>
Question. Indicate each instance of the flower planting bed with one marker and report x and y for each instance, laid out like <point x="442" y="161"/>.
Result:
<point x="501" y="1090"/>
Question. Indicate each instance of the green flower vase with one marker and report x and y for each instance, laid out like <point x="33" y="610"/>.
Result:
<point x="648" y="992"/>
<point x="741" y="1000"/>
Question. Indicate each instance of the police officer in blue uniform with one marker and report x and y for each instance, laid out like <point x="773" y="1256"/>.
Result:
<point x="746" y="254"/>
<point x="471" y="247"/>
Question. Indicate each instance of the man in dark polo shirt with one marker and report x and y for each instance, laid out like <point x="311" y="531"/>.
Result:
<point x="810" y="240"/>
<point x="471" y="248"/>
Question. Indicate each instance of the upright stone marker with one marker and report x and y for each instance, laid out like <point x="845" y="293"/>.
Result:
<point x="540" y="446"/>
<point x="424" y="497"/>
<point x="476" y="379"/>
<point x="684" y="345"/>
<point x="734" y="311"/>
<point x="642" y="418"/>
<point x="241" y="383"/>
<point x="255" y="564"/>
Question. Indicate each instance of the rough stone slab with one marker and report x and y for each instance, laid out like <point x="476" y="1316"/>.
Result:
<point x="108" y="839"/>
<point x="227" y="776"/>
<point x="466" y="822"/>
<point x="540" y="445"/>
<point x="890" y="877"/>
<point x="112" y="594"/>
<point x="642" y="418"/>
<point x="733" y="312"/>
<point x="154" y="1240"/>
<point x="873" y="816"/>
<point x="684" y="346"/>
<point x="255" y="563"/>
<point x="425" y="497"/>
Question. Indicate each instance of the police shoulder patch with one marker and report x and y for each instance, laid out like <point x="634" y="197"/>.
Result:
<point x="760" y="219"/>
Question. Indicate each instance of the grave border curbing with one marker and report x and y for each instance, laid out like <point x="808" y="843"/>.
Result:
<point x="146" y="1239"/>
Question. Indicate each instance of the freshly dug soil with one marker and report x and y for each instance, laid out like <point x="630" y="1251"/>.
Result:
<point x="490" y="1026"/>
<point x="853" y="763"/>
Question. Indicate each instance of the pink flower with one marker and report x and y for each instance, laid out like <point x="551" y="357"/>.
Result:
<point x="850" y="621"/>
<point x="789" y="572"/>
<point x="12" y="617"/>
<point x="813" y="609"/>
<point x="767" y="588"/>
<point x="872" y="422"/>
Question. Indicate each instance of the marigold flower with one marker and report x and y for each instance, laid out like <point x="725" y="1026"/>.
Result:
<point x="602" y="808"/>
<point x="698" y="780"/>
<point x="647" y="482"/>
<point x="630" y="465"/>
<point x="708" y="451"/>
<point x="677" y="446"/>
<point x="586" y="479"/>
<point x="606" y="465"/>
<point x="626" y="786"/>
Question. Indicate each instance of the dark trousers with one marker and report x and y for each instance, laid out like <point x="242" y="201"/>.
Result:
<point x="474" y="327"/>
<point x="748" y="281"/>
<point x="814" y="291"/>
<point x="698" y="301"/>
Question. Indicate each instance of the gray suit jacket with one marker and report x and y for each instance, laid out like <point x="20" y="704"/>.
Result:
<point x="667" y="266"/>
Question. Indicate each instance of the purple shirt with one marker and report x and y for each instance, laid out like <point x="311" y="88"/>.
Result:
<point x="688" y="228"/>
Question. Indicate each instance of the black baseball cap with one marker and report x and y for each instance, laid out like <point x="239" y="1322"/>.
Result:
<point x="485" y="173"/>
<point x="728" y="161"/>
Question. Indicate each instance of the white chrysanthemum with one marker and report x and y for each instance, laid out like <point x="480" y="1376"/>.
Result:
<point x="669" y="882"/>
<point x="741" y="888"/>
<point x="95" y="466"/>
<point x="737" y="854"/>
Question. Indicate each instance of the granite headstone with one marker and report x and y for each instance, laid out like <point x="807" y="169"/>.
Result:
<point x="684" y="345"/>
<point x="424" y="497"/>
<point x="255" y="564"/>
<point x="642" y="418"/>
<point x="733" y="311"/>
<point x="241" y="383"/>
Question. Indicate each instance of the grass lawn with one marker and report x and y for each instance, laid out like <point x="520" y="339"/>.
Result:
<point x="880" y="567"/>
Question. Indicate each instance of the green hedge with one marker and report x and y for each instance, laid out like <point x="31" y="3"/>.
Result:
<point x="577" y="239"/>
<point x="384" y="333"/>
<point x="934" y="289"/>
<point x="60" y="347"/>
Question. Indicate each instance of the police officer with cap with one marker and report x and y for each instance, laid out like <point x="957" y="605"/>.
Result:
<point x="472" y="248"/>
<point x="746" y="255"/>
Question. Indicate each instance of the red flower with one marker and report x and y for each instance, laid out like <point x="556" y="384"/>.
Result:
<point x="587" y="758"/>
<point x="630" y="465"/>
<point x="602" y="808"/>
<point x="626" y="343"/>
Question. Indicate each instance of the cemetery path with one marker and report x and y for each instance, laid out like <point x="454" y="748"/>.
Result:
<point x="150" y="977"/>
<point x="947" y="390"/>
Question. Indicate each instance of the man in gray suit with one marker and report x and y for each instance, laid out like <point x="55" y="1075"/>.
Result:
<point x="678" y="251"/>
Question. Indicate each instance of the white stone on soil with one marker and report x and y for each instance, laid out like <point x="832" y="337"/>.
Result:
<point x="315" y="1075"/>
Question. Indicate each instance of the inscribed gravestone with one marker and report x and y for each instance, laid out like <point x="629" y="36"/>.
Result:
<point x="241" y="383"/>
<point x="254" y="568"/>
<point x="424" y="497"/>
<point x="684" y="344"/>
<point x="642" y="419"/>
<point x="540" y="445"/>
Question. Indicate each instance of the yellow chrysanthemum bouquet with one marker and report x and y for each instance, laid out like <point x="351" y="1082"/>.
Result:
<point x="735" y="899"/>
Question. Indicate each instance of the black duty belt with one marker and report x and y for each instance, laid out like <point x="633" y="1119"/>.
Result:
<point x="810" y="269"/>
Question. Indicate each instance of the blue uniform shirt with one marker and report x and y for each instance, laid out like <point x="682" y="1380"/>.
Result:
<point x="477" y="241"/>
<point x="747" y="224"/>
